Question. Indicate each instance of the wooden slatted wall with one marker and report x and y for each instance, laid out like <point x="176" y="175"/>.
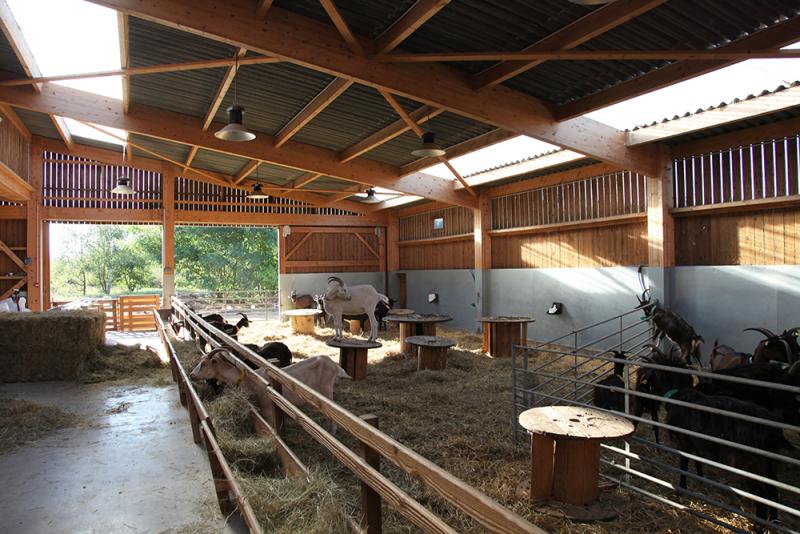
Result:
<point x="424" y="247"/>
<point x="14" y="149"/>
<point x="13" y="234"/>
<point x="739" y="205"/>
<point x="331" y="250"/>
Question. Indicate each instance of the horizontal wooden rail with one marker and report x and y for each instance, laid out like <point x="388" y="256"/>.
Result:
<point x="575" y="225"/>
<point x="436" y="240"/>
<point x="738" y="206"/>
<point x="474" y="503"/>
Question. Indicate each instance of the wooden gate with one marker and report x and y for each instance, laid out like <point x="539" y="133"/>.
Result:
<point x="136" y="312"/>
<point x="109" y="308"/>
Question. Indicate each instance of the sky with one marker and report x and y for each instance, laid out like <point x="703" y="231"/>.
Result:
<point x="92" y="44"/>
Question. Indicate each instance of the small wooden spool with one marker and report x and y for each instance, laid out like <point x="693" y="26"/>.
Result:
<point x="431" y="351"/>
<point x="302" y="320"/>
<point x="353" y="355"/>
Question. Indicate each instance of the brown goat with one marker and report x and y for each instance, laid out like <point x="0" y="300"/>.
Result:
<point x="725" y="357"/>
<point x="780" y="348"/>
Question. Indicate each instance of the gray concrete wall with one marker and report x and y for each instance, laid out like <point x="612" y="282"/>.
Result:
<point x="315" y="283"/>
<point x="456" y="290"/>
<point x="720" y="301"/>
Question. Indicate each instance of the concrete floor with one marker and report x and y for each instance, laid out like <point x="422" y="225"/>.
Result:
<point x="132" y="467"/>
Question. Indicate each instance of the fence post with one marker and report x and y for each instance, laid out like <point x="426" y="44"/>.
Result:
<point x="277" y="413"/>
<point x="370" y="500"/>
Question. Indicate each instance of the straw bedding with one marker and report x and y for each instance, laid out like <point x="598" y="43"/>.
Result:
<point x="23" y="422"/>
<point x="48" y="346"/>
<point x="124" y="363"/>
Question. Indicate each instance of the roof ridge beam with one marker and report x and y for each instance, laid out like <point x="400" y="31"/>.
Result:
<point x="578" y="32"/>
<point x="176" y="127"/>
<point x="318" y="46"/>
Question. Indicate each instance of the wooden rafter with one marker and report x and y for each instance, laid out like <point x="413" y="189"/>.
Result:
<point x="227" y="80"/>
<point x="124" y="58"/>
<point x="342" y="27"/>
<point x="590" y="55"/>
<point x="14" y="119"/>
<point x="458" y="176"/>
<point x="8" y="292"/>
<point x="246" y="171"/>
<point x="126" y="72"/>
<point x="303" y="180"/>
<point x="407" y="24"/>
<point x="777" y="36"/>
<point x="12" y="255"/>
<point x="312" y="109"/>
<point x="175" y="127"/>
<point x="582" y="30"/>
<point x="190" y="156"/>
<point x="262" y="8"/>
<point x="384" y="135"/>
<point x="300" y="40"/>
<point x="15" y="37"/>
<point x="349" y="192"/>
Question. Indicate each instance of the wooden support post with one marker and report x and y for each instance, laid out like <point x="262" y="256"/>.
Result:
<point x="482" y="223"/>
<point x="392" y="250"/>
<point x="660" y="227"/>
<point x="221" y="484"/>
<point x="193" y="420"/>
<point x="282" y="249"/>
<point x="168" y="241"/>
<point x="33" y="217"/>
<point x="46" y="300"/>
<point x="370" y="500"/>
<point x="277" y="413"/>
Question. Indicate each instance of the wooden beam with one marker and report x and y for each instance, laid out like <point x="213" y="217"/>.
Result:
<point x="246" y="171"/>
<point x="168" y="224"/>
<point x="388" y="133"/>
<point x="584" y="29"/>
<point x="312" y="109"/>
<point x="336" y="197"/>
<point x="12" y="212"/>
<point x="776" y="36"/>
<point x="458" y="176"/>
<point x="174" y="127"/>
<point x="482" y="224"/>
<point x="12" y="187"/>
<point x="33" y="229"/>
<point x="407" y="24"/>
<point x="274" y="219"/>
<point x="616" y="220"/>
<point x="660" y="223"/>
<point x="412" y="125"/>
<point x="124" y="59"/>
<point x="571" y="175"/>
<point x="127" y="72"/>
<point x="15" y="121"/>
<point x="305" y="179"/>
<point x="342" y="27"/>
<point x="224" y="85"/>
<point x="262" y="8"/>
<point x="190" y="156"/>
<point x="744" y="137"/>
<point x="589" y="55"/>
<point x="314" y="44"/>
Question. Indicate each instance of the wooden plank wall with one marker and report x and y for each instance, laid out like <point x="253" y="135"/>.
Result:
<point x="13" y="234"/>
<point x="14" y="149"/>
<point x="767" y="237"/>
<point x="331" y="250"/>
<point x="424" y="247"/>
<point x="606" y="246"/>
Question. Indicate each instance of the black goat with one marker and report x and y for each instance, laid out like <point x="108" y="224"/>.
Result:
<point x="725" y="356"/>
<point x="381" y="311"/>
<point x="780" y="348"/>
<point x="650" y="380"/>
<point x="606" y="398"/>
<point x="667" y="323"/>
<point x="274" y="350"/>
<point x="231" y="330"/>
<point x="720" y="426"/>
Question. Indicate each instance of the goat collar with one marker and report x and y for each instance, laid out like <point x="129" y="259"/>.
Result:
<point x="241" y="378"/>
<point x="670" y="393"/>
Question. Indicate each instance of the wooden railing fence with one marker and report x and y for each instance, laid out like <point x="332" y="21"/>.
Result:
<point x="477" y="505"/>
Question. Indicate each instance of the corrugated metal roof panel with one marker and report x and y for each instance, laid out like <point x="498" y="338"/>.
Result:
<point x="275" y="174"/>
<point x="8" y="59"/>
<point x="174" y="151"/>
<point x="189" y="92"/>
<point x="325" y="182"/>
<point x="366" y="17"/>
<point x="761" y="120"/>
<point x="38" y="123"/>
<point x="357" y="113"/>
<point x="450" y="129"/>
<point x="218" y="162"/>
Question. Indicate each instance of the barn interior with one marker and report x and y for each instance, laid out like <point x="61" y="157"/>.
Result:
<point x="463" y="158"/>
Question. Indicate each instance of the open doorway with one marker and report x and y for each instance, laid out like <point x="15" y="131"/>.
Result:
<point x="228" y="270"/>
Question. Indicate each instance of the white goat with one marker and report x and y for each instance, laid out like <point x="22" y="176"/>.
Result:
<point x="14" y="303"/>
<point x="340" y="299"/>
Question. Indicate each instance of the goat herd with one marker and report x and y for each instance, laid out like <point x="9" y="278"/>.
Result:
<point x="666" y="375"/>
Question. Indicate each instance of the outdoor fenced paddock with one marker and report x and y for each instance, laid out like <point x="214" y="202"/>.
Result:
<point x="566" y="370"/>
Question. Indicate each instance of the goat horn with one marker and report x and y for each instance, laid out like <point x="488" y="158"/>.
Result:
<point x="335" y="279"/>
<point x="763" y="332"/>
<point x="654" y="348"/>
<point x="791" y="331"/>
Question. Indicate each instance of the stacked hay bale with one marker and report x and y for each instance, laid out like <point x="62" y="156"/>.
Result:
<point x="48" y="346"/>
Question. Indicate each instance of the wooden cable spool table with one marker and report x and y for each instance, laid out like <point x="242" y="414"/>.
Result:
<point x="416" y="324"/>
<point x="431" y="351"/>
<point x="501" y="333"/>
<point x="302" y="320"/>
<point x="565" y="451"/>
<point x="353" y="355"/>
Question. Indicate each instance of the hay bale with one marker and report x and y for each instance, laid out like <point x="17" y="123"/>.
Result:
<point x="48" y="346"/>
<point x="23" y="422"/>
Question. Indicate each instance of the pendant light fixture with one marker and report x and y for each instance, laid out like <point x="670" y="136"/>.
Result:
<point x="235" y="130"/>
<point x="428" y="148"/>
<point x="123" y="183"/>
<point x="371" y="198"/>
<point x="257" y="193"/>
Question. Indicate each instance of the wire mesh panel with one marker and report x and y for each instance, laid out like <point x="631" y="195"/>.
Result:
<point x="749" y="474"/>
<point x="770" y="169"/>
